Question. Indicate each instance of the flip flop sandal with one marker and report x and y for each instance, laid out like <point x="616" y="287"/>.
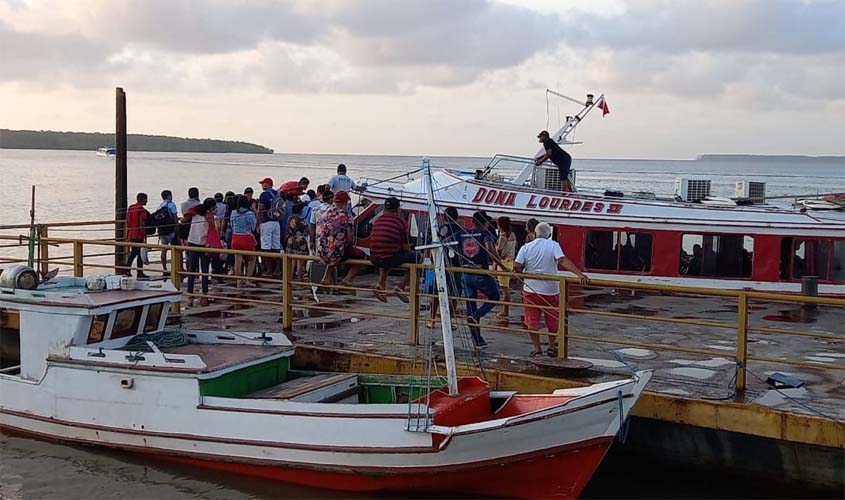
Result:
<point x="552" y="353"/>
<point x="379" y="293"/>
<point x="534" y="354"/>
<point x="400" y="294"/>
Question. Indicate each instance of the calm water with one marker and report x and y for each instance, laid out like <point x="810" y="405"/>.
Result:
<point x="77" y="185"/>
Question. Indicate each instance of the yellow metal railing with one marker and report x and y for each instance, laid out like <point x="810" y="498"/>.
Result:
<point x="76" y="263"/>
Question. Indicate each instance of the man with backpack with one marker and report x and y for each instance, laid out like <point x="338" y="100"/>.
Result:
<point x="136" y="232"/>
<point x="165" y="218"/>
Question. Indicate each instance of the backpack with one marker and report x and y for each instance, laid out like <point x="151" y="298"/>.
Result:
<point x="150" y="225"/>
<point x="278" y="205"/>
<point x="161" y="220"/>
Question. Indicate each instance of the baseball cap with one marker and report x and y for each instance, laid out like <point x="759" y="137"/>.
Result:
<point x="480" y="218"/>
<point x="542" y="133"/>
<point x="266" y="180"/>
<point x="341" y="197"/>
<point x="391" y="203"/>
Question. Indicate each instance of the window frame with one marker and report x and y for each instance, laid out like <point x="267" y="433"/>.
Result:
<point x="617" y="234"/>
<point x="711" y="276"/>
<point x="136" y="323"/>
<point x="793" y="248"/>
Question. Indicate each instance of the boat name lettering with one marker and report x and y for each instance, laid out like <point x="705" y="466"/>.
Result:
<point x="508" y="199"/>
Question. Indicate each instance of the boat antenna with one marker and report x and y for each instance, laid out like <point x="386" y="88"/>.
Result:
<point x="440" y="281"/>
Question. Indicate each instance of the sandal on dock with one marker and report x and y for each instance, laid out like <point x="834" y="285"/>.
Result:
<point x="552" y="352"/>
<point x="401" y="295"/>
<point x="534" y="354"/>
<point x="379" y="293"/>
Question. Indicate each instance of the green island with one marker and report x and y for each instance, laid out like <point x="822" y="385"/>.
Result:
<point x="91" y="141"/>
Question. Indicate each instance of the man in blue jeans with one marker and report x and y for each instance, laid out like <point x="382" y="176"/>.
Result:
<point x="477" y="247"/>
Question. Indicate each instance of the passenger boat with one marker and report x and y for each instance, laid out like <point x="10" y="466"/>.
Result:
<point x="110" y="152"/>
<point x="102" y="367"/>
<point x="693" y="239"/>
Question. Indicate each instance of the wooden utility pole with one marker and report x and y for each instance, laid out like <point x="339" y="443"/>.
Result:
<point x="120" y="197"/>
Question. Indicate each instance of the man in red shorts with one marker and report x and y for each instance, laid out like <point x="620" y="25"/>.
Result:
<point x="543" y="256"/>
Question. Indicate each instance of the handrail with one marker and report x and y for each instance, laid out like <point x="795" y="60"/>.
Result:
<point x="288" y="304"/>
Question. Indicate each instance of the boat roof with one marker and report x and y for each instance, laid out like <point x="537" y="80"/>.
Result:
<point x="462" y="190"/>
<point x="72" y="292"/>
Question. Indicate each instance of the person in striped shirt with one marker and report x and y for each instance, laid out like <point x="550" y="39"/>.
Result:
<point x="390" y="248"/>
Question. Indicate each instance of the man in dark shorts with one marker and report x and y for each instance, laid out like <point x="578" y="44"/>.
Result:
<point x="390" y="248"/>
<point x="558" y="156"/>
<point x="477" y="249"/>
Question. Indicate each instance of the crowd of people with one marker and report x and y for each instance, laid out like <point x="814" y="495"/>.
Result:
<point x="294" y="219"/>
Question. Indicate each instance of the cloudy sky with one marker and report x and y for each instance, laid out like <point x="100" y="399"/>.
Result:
<point x="435" y="77"/>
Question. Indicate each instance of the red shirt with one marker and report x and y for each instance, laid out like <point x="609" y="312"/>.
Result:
<point x="136" y="219"/>
<point x="389" y="235"/>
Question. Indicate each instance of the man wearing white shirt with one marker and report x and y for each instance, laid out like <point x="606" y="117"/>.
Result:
<point x="543" y="256"/>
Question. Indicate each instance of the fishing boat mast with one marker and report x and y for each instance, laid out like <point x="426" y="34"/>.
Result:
<point x="440" y="281"/>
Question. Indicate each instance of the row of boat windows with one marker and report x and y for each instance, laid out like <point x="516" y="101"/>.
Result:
<point x="704" y="255"/>
<point x="714" y="255"/>
<point x="126" y="323"/>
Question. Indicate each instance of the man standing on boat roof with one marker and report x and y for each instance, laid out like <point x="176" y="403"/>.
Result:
<point x="558" y="156"/>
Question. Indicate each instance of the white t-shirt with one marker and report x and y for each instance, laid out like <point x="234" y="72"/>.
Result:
<point x="540" y="257"/>
<point x="341" y="182"/>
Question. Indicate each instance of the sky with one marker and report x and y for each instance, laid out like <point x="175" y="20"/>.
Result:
<point x="435" y="77"/>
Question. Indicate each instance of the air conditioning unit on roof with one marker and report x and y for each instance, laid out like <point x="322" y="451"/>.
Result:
<point x="752" y="190"/>
<point x="692" y="190"/>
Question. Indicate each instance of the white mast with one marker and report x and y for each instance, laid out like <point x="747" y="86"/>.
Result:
<point x="440" y="280"/>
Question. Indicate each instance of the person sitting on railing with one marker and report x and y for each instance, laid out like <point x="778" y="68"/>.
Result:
<point x="558" y="156"/>
<point x="336" y="242"/>
<point x="390" y="248"/>
<point x="136" y="232"/>
<point x="543" y="255"/>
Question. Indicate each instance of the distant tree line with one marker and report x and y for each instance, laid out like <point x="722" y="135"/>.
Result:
<point x="91" y="141"/>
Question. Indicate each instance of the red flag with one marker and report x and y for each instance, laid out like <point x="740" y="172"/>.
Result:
<point x="602" y="105"/>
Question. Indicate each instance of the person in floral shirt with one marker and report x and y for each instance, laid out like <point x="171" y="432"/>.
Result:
<point x="336" y="240"/>
<point x="296" y="241"/>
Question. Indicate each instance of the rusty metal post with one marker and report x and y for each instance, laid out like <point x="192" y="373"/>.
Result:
<point x="77" y="259"/>
<point x="563" y="321"/>
<point x="287" y="293"/>
<point x="176" y="278"/>
<point x="414" y="304"/>
<point x="741" y="342"/>
<point x="120" y="195"/>
<point x="43" y="249"/>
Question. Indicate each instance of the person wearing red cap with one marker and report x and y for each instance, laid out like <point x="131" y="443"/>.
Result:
<point x="336" y="242"/>
<point x="269" y="230"/>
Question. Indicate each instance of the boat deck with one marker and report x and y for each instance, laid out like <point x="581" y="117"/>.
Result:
<point x="222" y="356"/>
<point x="677" y="374"/>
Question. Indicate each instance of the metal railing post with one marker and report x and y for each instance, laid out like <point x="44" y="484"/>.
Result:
<point x="741" y="341"/>
<point x="43" y="249"/>
<point x="176" y="277"/>
<point x="287" y="293"/>
<point x="563" y="321"/>
<point x="77" y="259"/>
<point x="414" y="299"/>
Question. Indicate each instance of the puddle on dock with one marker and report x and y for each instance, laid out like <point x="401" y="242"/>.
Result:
<point x="799" y="315"/>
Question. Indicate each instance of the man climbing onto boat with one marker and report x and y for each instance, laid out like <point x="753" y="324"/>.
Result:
<point x="477" y="251"/>
<point x="558" y="156"/>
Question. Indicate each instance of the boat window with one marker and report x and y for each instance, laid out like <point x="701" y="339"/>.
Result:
<point x="717" y="255"/>
<point x="618" y="251"/>
<point x="153" y="317"/>
<point x="364" y="226"/>
<point x="126" y="322"/>
<point x="824" y="259"/>
<point x="98" y="328"/>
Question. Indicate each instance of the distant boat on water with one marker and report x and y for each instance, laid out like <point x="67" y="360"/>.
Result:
<point x="109" y="152"/>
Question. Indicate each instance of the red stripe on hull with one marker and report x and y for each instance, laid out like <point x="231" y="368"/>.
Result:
<point x="559" y="474"/>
